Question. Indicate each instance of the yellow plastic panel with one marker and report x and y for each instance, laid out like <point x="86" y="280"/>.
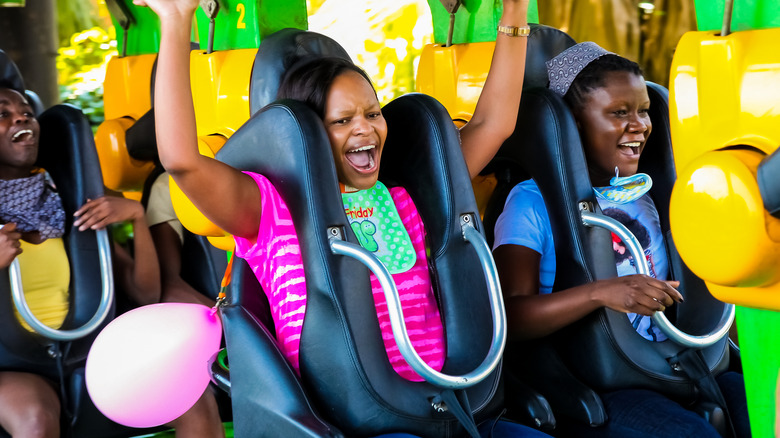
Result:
<point x="455" y="75"/>
<point x="126" y="97"/>
<point x="225" y="243"/>
<point x="127" y="87"/>
<point x="719" y="223"/>
<point x="725" y="91"/>
<point x="191" y="217"/>
<point x="120" y="172"/>
<point x="136" y="195"/>
<point x="220" y="90"/>
<point x="725" y="118"/>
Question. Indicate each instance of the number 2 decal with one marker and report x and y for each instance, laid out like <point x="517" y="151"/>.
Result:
<point x="241" y="9"/>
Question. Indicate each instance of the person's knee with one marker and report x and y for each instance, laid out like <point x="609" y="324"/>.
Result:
<point x="201" y="420"/>
<point x="38" y="421"/>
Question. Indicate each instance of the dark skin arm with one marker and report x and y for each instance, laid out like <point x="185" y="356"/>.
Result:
<point x="139" y="276"/>
<point x="496" y="112"/>
<point x="9" y="244"/>
<point x="174" y="288"/>
<point x="531" y="315"/>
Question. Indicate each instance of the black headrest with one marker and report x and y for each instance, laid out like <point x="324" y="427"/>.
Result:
<point x="544" y="43"/>
<point x="278" y="52"/>
<point x="10" y="77"/>
<point x="140" y="138"/>
<point x="67" y="151"/>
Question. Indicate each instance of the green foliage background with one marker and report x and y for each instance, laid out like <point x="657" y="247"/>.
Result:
<point x="86" y="45"/>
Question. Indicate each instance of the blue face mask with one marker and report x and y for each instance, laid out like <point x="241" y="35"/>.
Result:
<point x="622" y="190"/>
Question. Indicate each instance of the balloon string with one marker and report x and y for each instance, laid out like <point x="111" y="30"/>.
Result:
<point x="223" y="286"/>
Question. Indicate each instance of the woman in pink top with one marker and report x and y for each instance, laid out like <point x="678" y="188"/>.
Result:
<point x="249" y="207"/>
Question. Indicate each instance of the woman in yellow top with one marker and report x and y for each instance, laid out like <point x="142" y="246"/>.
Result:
<point x="34" y="221"/>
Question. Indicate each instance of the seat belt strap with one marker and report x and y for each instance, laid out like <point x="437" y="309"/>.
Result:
<point x="694" y="365"/>
<point x="458" y="405"/>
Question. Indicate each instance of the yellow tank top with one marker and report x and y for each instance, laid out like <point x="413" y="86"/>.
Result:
<point x="45" y="278"/>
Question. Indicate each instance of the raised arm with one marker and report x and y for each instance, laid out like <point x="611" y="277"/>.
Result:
<point x="532" y="315"/>
<point x="226" y="196"/>
<point x="496" y="112"/>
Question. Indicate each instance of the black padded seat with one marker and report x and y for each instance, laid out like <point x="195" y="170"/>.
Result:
<point x="64" y="151"/>
<point x="67" y="152"/>
<point x="347" y="384"/>
<point x="601" y="352"/>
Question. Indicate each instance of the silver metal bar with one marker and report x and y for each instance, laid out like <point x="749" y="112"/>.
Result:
<point x="106" y="298"/>
<point x="660" y="320"/>
<point x="395" y="311"/>
<point x="728" y="10"/>
<point x="450" y="30"/>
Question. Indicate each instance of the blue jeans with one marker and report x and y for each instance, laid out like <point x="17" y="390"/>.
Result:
<point x="491" y="429"/>
<point x="641" y="413"/>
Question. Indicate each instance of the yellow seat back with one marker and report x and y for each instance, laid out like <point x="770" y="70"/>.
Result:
<point x="126" y="97"/>
<point x="455" y="75"/>
<point x="725" y="118"/>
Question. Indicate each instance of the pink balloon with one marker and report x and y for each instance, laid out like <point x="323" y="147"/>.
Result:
<point x="150" y="365"/>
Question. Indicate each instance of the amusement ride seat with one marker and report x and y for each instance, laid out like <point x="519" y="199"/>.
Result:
<point x="346" y="383"/>
<point x="602" y="351"/>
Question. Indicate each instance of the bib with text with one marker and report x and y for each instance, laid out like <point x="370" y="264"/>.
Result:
<point x="375" y="221"/>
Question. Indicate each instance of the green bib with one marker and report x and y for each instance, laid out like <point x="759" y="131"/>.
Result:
<point x="378" y="227"/>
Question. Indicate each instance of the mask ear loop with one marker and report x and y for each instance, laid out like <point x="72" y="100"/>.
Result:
<point x="614" y="180"/>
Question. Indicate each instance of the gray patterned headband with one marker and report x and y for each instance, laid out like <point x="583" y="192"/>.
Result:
<point x="562" y="69"/>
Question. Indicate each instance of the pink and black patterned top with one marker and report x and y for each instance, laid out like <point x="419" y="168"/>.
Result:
<point x="275" y="258"/>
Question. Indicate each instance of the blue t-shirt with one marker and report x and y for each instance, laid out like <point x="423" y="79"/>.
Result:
<point x="525" y="222"/>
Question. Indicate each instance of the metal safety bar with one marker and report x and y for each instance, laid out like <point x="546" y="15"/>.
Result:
<point x="660" y="320"/>
<point x="493" y="357"/>
<point x="106" y="298"/>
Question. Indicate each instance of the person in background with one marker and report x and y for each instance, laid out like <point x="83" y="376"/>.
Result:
<point x="33" y="220"/>
<point x="608" y="98"/>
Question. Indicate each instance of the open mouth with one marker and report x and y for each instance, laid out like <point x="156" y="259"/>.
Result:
<point x="631" y="148"/>
<point x="363" y="159"/>
<point x="22" y="136"/>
